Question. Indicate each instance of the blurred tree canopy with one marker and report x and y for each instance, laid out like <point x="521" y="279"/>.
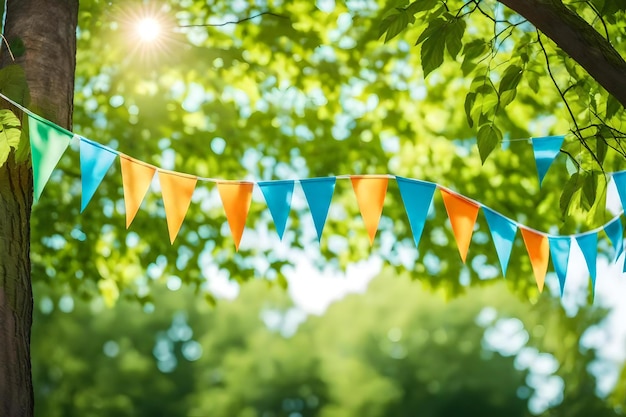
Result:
<point x="398" y="349"/>
<point x="312" y="90"/>
<point x="317" y="89"/>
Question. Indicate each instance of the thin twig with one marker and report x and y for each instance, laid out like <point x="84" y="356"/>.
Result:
<point x="571" y="113"/>
<point x="8" y="47"/>
<point x="234" y="22"/>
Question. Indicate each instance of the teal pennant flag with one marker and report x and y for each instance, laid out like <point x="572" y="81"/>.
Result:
<point x="319" y="193"/>
<point x="615" y="233"/>
<point x="278" y="196"/>
<point x="48" y="142"/>
<point x="559" y="251"/>
<point x="619" y="178"/>
<point x="503" y="233"/>
<point x="588" y="244"/>
<point x="417" y="197"/>
<point x="545" y="150"/>
<point x="95" y="161"/>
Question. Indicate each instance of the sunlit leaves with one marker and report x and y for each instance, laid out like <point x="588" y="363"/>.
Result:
<point x="443" y="33"/>
<point x="488" y="137"/>
<point x="395" y="23"/>
<point x="10" y="133"/>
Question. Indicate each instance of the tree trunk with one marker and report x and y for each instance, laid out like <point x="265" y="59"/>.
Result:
<point x="47" y="29"/>
<point x="579" y="40"/>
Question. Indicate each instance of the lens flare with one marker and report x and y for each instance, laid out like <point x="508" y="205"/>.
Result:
<point x="148" y="29"/>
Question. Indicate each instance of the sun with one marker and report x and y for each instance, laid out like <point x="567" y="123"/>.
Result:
<point x="148" y="29"/>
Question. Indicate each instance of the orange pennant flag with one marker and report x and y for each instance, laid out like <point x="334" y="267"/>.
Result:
<point x="370" y="195"/>
<point x="236" y="198"/>
<point x="177" y="190"/>
<point x="538" y="248"/>
<point x="136" y="179"/>
<point x="462" y="214"/>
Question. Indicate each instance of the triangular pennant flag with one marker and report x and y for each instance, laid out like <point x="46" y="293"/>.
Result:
<point x="619" y="178"/>
<point x="588" y="244"/>
<point x="539" y="252"/>
<point x="503" y="233"/>
<point x="95" y="161"/>
<point x="546" y="149"/>
<point x="236" y="198"/>
<point x="559" y="250"/>
<point x="278" y="198"/>
<point x="370" y="195"/>
<point x="417" y="197"/>
<point x="177" y="190"/>
<point x="462" y="214"/>
<point x="136" y="179"/>
<point x="47" y="144"/>
<point x="319" y="193"/>
<point x="615" y="231"/>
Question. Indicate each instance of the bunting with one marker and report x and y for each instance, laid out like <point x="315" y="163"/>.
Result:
<point x="177" y="191"/>
<point x="615" y="232"/>
<point x="537" y="246"/>
<point x="136" y="179"/>
<point x="370" y="195"/>
<point x="236" y="198"/>
<point x="95" y="161"/>
<point x="559" y="251"/>
<point x="278" y="198"/>
<point x="417" y="197"/>
<point x="462" y="214"/>
<point x="319" y="193"/>
<point x="545" y="150"/>
<point x="588" y="244"/>
<point x="49" y="142"/>
<point x="503" y="232"/>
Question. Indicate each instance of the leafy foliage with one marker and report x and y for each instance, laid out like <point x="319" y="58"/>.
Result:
<point x="313" y="93"/>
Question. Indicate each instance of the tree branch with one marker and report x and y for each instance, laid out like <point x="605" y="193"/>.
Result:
<point x="578" y="39"/>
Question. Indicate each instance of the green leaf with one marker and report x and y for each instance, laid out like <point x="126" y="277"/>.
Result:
<point x="421" y="5"/>
<point x="470" y="98"/>
<point x="394" y="24"/>
<point x="488" y="138"/>
<point x="533" y="81"/>
<point x="471" y="51"/>
<point x="590" y="186"/>
<point x="454" y="36"/>
<point x="10" y="132"/>
<point x="507" y="97"/>
<point x="433" y="44"/>
<point x="510" y="79"/>
<point x="571" y="186"/>
<point x="612" y="106"/>
<point x="433" y="27"/>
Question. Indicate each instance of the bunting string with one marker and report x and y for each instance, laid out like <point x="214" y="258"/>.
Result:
<point x="49" y="141"/>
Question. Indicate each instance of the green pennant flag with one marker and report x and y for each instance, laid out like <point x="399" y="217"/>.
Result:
<point x="47" y="144"/>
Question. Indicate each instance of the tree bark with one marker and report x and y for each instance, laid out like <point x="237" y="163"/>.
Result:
<point x="47" y="29"/>
<point x="578" y="39"/>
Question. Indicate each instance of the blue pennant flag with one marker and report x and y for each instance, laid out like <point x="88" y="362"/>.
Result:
<point x="619" y="178"/>
<point x="589" y="246"/>
<point x="319" y="193"/>
<point x="417" y="197"/>
<point x="503" y="233"/>
<point x="559" y="251"/>
<point x="95" y="161"/>
<point x="546" y="149"/>
<point x="278" y="198"/>
<point x="615" y="232"/>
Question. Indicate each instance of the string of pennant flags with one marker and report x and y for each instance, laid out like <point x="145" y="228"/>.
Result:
<point x="49" y="142"/>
